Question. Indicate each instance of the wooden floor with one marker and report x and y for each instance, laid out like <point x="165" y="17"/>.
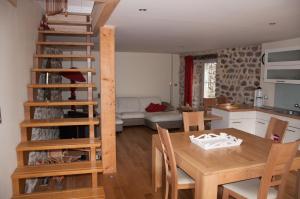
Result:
<point x="133" y="179"/>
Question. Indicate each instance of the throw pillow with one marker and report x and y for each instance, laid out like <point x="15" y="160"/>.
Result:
<point x="155" y="107"/>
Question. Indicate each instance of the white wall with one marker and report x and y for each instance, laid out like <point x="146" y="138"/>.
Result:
<point x="146" y="74"/>
<point x="140" y="74"/>
<point x="18" y="29"/>
<point x="269" y="88"/>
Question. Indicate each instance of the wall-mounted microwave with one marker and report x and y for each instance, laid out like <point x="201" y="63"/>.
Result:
<point x="282" y="65"/>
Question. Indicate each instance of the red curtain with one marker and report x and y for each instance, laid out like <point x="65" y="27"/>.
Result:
<point x="188" y="80"/>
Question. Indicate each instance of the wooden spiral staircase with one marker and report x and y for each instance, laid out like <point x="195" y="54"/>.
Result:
<point x="92" y="167"/>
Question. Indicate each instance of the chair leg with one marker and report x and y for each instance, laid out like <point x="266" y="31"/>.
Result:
<point x="298" y="185"/>
<point x="167" y="190"/>
<point x="225" y="194"/>
<point x="174" y="192"/>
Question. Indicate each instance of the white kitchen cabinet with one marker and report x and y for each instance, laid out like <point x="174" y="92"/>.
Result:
<point x="261" y="127"/>
<point x="244" y="121"/>
<point x="255" y="122"/>
<point x="283" y="65"/>
<point x="292" y="134"/>
<point x="247" y="125"/>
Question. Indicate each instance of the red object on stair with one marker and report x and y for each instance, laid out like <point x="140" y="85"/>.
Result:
<point x="73" y="77"/>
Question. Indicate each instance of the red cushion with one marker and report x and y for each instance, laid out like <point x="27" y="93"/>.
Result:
<point x="150" y="107"/>
<point x="162" y="107"/>
<point x="155" y="107"/>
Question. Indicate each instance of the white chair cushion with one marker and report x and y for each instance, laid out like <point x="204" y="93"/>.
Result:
<point x="249" y="189"/>
<point x="135" y="115"/>
<point x="184" y="178"/>
<point x="145" y="101"/>
<point x="119" y="121"/>
<point x="164" y="116"/>
<point x="128" y="104"/>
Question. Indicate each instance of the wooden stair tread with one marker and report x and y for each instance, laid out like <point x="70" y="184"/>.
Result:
<point x="77" y="85"/>
<point x="57" y="32"/>
<point x="60" y="122"/>
<point x="61" y="70"/>
<point x="83" y="193"/>
<point x="63" y="56"/>
<point x="60" y="103"/>
<point x="69" y="23"/>
<point x="65" y="43"/>
<point x="57" y="169"/>
<point x="76" y="14"/>
<point x="41" y="145"/>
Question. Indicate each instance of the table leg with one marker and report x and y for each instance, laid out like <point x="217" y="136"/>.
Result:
<point x="206" y="187"/>
<point x="298" y="185"/>
<point x="156" y="168"/>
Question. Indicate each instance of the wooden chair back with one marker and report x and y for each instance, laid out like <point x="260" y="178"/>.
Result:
<point x="276" y="129"/>
<point x="191" y="119"/>
<point x="222" y="99"/>
<point x="277" y="168"/>
<point x="208" y="103"/>
<point x="169" y="159"/>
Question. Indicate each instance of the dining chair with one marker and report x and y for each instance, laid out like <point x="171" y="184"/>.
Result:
<point x="275" y="174"/>
<point x="191" y="119"/>
<point x="208" y="103"/>
<point x="222" y="99"/>
<point x="276" y="129"/>
<point x="175" y="176"/>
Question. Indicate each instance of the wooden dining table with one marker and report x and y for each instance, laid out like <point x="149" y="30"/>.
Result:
<point x="211" y="168"/>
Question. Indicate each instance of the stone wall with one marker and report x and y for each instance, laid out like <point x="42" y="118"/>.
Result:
<point x="198" y="79"/>
<point x="181" y="81"/>
<point x="197" y="82"/>
<point x="238" y="73"/>
<point x="36" y="158"/>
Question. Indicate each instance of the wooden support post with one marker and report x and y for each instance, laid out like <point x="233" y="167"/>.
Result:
<point x="92" y="130"/>
<point x="94" y="180"/>
<point x="108" y="97"/>
<point x="27" y="112"/>
<point x="25" y="134"/>
<point x="20" y="158"/>
<point x="16" y="187"/>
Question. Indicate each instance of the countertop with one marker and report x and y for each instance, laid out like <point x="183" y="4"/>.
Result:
<point x="245" y="108"/>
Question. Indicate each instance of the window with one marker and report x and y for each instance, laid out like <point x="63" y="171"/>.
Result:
<point x="210" y="80"/>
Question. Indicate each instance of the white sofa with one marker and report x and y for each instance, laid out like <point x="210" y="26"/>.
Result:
<point x="131" y="110"/>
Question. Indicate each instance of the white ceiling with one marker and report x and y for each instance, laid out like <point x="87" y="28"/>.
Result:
<point x="197" y="25"/>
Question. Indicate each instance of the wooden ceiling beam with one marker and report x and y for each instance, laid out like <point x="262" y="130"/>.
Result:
<point x="99" y="1"/>
<point x="102" y="12"/>
<point x="13" y="2"/>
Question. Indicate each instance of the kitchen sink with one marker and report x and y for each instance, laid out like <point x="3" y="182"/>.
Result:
<point x="281" y="110"/>
<point x="288" y="112"/>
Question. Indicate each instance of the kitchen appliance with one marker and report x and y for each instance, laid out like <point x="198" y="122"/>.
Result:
<point x="258" y="97"/>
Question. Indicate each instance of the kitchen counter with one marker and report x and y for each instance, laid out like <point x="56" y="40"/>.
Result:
<point x="245" y="108"/>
